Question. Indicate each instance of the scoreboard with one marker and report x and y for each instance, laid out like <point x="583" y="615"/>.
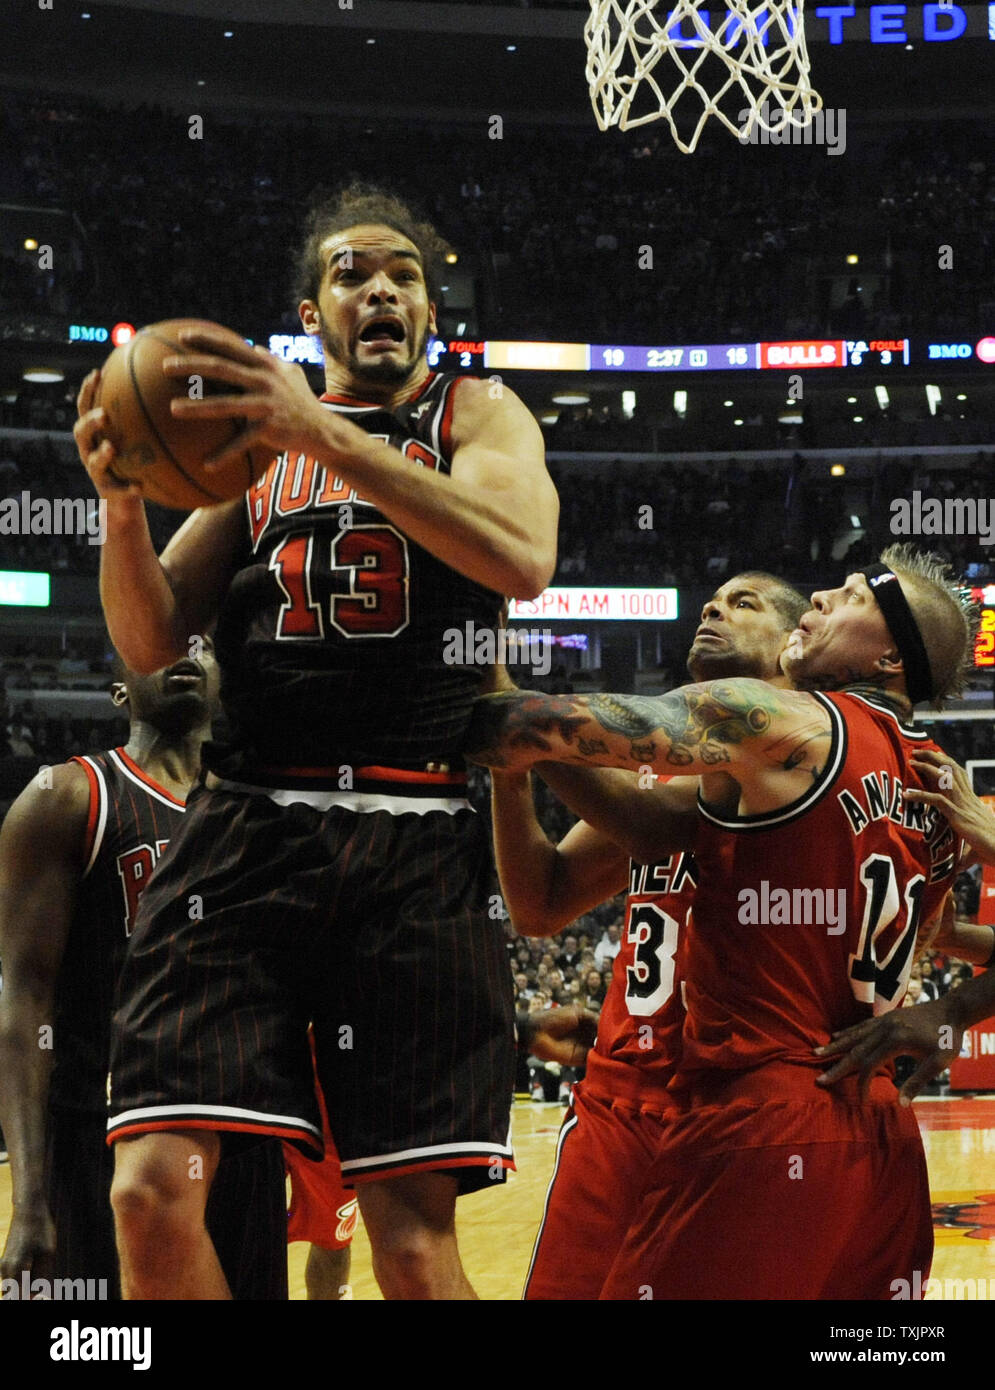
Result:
<point x="692" y="357"/>
<point x="887" y="354"/>
<point x="984" y="642"/>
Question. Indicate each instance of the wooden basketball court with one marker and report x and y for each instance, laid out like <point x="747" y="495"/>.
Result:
<point x="497" y="1226"/>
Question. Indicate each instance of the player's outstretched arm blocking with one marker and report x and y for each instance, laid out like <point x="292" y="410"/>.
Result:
<point x="696" y="729"/>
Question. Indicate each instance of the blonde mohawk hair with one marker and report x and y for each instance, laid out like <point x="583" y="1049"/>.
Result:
<point x="945" y="614"/>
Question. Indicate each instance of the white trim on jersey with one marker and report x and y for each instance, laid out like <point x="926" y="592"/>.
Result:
<point x="438" y="414"/>
<point x="765" y="819"/>
<point x="341" y="409"/>
<point x="126" y="771"/>
<point x="361" y="802"/>
<point x="909" y="730"/>
<point x="103" y="800"/>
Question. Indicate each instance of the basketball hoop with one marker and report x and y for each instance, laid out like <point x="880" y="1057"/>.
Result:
<point x="656" y="52"/>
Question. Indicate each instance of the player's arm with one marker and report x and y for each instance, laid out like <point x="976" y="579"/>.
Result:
<point x="41" y="853"/>
<point x="970" y="941"/>
<point x="739" y="726"/>
<point x="933" y="1032"/>
<point x="153" y="606"/>
<point x="493" y="517"/>
<point x="546" y="886"/>
<point x="646" y="822"/>
<point x="558" y="1035"/>
<point x="951" y="794"/>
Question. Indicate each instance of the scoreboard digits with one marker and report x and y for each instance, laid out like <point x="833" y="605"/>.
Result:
<point x="858" y="354"/>
<point x="867" y="354"/>
<point x="716" y="357"/>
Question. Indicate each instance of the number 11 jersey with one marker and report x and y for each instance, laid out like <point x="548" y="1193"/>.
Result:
<point x="805" y="918"/>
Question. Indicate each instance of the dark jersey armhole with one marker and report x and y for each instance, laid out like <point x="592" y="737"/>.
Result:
<point x="92" y="813"/>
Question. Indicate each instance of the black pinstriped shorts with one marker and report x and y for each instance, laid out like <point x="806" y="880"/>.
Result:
<point x="262" y="917"/>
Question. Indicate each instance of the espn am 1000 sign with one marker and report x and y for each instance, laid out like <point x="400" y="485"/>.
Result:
<point x="609" y="605"/>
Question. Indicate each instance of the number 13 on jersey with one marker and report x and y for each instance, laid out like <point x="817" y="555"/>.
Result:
<point x="373" y="563"/>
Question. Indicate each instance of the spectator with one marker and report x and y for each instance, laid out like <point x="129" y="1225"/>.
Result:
<point x="608" y="947"/>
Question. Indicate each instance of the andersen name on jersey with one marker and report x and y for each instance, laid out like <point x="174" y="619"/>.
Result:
<point x="331" y="637"/>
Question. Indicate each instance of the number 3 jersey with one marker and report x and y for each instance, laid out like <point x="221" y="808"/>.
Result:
<point x="639" y="1029"/>
<point x="805" y="918"/>
<point x="333" y="636"/>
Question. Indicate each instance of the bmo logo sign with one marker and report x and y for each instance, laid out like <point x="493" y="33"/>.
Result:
<point x="947" y="350"/>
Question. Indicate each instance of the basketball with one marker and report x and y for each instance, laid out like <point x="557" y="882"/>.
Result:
<point x="164" y="455"/>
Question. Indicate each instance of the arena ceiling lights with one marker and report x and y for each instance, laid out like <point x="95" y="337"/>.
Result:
<point x="43" y="375"/>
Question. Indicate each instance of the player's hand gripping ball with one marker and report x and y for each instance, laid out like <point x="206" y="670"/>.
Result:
<point x="162" y="454"/>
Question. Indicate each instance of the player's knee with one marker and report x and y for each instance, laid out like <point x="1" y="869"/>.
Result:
<point x="157" y="1179"/>
<point x="411" y="1262"/>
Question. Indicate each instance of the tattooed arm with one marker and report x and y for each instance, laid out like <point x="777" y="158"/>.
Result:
<point x="719" y="726"/>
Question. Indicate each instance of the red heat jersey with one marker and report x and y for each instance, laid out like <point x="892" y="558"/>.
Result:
<point x="639" y="1031"/>
<point x="805" y="918"/>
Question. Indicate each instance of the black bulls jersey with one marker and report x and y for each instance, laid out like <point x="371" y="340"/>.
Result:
<point x="130" y="822"/>
<point x="332" y="634"/>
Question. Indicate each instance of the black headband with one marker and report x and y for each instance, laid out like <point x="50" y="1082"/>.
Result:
<point x="883" y="584"/>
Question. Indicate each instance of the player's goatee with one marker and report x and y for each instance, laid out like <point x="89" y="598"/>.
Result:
<point x="386" y="369"/>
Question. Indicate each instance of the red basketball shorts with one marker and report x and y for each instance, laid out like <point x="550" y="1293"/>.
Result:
<point x="603" y="1153"/>
<point x="322" y="1209"/>
<point x="797" y="1198"/>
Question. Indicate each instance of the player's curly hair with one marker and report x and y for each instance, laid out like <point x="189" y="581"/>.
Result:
<point x="356" y="204"/>
<point x="944" y="612"/>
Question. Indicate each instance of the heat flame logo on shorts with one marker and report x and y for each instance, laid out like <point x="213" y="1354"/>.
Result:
<point x="976" y="1219"/>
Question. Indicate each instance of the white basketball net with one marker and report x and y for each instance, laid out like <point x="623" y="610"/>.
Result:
<point x="654" y="50"/>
